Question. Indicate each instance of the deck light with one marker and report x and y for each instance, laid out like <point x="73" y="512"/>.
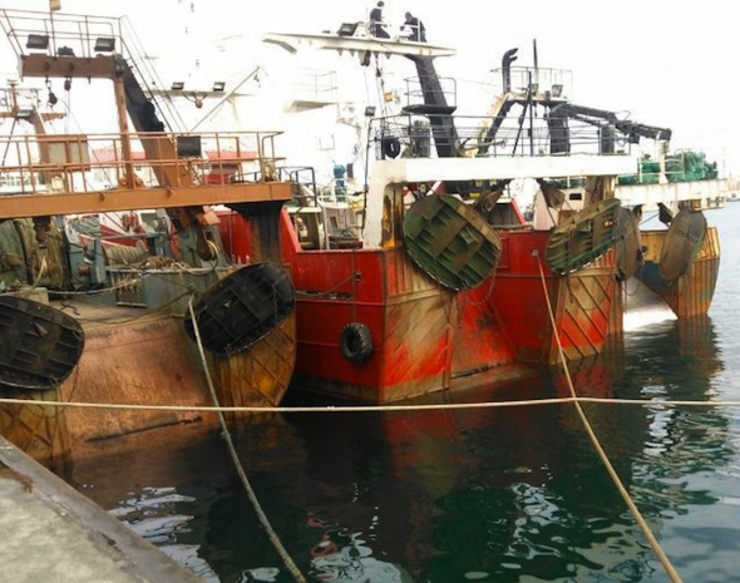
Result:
<point x="38" y="41"/>
<point x="370" y="111"/>
<point x="24" y="114"/>
<point x="219" y="86"/>
<point x="189" y="146"/>
<point x="105" y="44"/>
<point x="177" y="86"/>
<point x="65" y="52"/>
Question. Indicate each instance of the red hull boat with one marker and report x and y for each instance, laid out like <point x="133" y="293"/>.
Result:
<point x="374" y="327"/>
<point x="432" y="279"/>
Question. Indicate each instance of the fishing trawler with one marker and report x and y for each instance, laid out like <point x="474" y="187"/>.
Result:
<point x="433" y="279"/>
<point x="675" y="264"/>
<point x="140" y="313"/>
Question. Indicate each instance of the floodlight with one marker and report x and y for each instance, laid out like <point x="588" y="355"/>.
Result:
<point x="105" y="44"/>
<point x="189" y="146"/>
<point x="38" y="41"/>
<point x="219" y="86"/>
<point x="177" y="86"/>
<point x="557" y="90"/>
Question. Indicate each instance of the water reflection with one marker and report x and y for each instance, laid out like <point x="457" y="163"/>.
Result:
<point x="506" y="494"/>
<point x="483" y="494"/>
<point x="343" y="556"/>
<point x="689" y="461"/>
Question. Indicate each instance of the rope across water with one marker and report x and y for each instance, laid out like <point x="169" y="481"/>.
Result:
<point x="654" y="544"/>
<point x="289" y="564"/>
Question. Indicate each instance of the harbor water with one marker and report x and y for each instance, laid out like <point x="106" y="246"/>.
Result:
<point x="508" y="494"/>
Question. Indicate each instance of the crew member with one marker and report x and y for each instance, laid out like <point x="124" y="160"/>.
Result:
<point x="418" y="32"/>
<point x="377" y="26"/>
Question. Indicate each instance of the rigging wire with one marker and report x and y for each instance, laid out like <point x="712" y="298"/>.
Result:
<point x="7" y="143"/>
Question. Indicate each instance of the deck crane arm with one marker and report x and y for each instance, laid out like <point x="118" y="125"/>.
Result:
<point x="632" y="130"/>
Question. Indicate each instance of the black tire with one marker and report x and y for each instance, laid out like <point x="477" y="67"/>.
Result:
<point x="391" y="147"/>
<point x="356" y="343"/>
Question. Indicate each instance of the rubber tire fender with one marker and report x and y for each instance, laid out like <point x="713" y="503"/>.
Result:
<point x="391" y="147"/>
<point x="356" y="343"/>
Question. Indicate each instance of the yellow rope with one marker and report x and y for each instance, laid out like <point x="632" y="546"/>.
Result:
<point x="660" y="402"/>
<point x="42" y="270"/>
<point x="291" y="566"/>
<point x="325" y="409"/>
<point x="367" y="408"/>
<point x="657" y="549"/>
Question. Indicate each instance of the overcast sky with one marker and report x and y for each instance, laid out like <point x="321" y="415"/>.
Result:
<point x="668" y="63"/>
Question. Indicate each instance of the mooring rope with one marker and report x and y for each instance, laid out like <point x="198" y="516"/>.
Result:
<point x="289" y="564"/>
<point x="42" y="270"/>
<point x="296" y="409"/>
<point x="366" y="408"/>
<point x="654" y="544"/>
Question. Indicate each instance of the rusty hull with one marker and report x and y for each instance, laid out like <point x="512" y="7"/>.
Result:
<point x="144" y="360"/>
<point x="692" y="292"/>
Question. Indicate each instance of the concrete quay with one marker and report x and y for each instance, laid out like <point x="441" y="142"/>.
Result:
<point x="51" y="532"/>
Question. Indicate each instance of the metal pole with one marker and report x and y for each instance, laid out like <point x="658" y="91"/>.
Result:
<point x="531" y="111"/>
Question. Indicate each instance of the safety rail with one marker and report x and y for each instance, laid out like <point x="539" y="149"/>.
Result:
<point x="544" y="83"/>
<point x="14" y="99"/>
<point x="301" y="178"/>
<point x="58" y="34"/>
<point x="316" y="85"/>
<point x="431" y="88"/>
<point x="521" y="136"/>
<point x="74" y="163"/>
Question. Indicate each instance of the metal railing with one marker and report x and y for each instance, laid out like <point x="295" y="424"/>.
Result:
<point x="416" y="136"/>
<point x="93" y="162"/>
<point x="542" y="81"/>
<point x="58" y="34"/>
<point x="418" y="90"/>
<point x="315" y="85"/>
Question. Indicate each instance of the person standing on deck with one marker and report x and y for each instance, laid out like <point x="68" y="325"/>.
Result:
<point x="377" y="26"/>
<point x="418" y="32"/>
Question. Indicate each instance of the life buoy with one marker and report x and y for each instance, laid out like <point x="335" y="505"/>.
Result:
<point x="356" y="342"/>
<point x="391" y="147"/>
